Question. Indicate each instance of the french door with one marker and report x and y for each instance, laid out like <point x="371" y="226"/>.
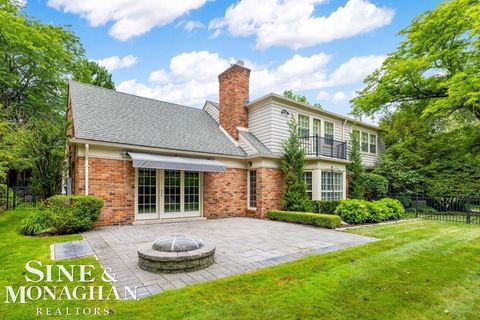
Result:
<point x="168" y="194"/>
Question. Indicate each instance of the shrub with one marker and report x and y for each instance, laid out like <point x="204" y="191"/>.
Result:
<point x="378" y="212"/>
<point x="396" y="208"/>
<point x="325" y="206"/>
<point x="353" y="211"/>
<point x="71" y="214"/>
<point x="322" y="220"/>
<point x="34" y="224"/>
<point x="375" y="186"/>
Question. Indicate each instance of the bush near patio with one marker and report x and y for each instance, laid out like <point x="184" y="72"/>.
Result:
<point x="325" y="206"/>
<point x="63" y="215"/>
<point x="317" y="219"/>
<point x="354" y="211"/>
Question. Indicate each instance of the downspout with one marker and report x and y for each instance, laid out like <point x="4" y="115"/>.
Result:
<point x="87" y="149"/>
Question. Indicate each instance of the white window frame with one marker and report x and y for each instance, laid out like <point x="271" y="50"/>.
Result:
<point x="369" y="144"/>
<point x="332" y="190"/>
<point x="248" y="190"/>
<point x="308" y="121"/>
<point x="304" y="179"/>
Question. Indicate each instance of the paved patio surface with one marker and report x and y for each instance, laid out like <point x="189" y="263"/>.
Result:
<point x="243" y="244"/>
<point x="71" y="249"/>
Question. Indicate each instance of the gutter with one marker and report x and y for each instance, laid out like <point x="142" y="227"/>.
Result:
<point x="87" y="149"/>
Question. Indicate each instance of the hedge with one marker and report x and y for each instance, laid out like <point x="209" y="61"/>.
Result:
<point x="359" y="211"/>
<point x="325" y="206"/>
<point x="63" y="215"/>
<point x="317" y="219"/>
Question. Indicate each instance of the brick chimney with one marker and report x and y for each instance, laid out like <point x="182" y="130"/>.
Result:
<point x="234" y="92"/>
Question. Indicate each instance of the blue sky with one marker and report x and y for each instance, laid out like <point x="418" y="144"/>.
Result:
<point x="173" y="50"/>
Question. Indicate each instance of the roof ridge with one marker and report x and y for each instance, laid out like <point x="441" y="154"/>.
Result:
<point x="132" y="95"/>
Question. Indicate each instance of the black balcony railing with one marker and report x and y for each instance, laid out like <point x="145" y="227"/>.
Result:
<point x="324" y="146"/>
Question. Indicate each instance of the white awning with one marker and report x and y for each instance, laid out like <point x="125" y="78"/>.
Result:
<point x="155" y="161"/>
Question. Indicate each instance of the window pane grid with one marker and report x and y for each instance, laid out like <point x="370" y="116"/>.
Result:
<point x="191" y="191"/>
<point x="172" y="191"/>
<point x="303" y="125"/>
<point x="147" y="191"/>
<point x="364" y="142"/>
<point x="252" y="181"/>
<point x="332" y="185"/>
<point x="373" y="143"/>
<point x="328" y="132"/>
<point x="307" y="176"/>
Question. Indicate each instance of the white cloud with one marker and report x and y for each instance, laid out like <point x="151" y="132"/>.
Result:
<point x="130" y="18"/>
<point x="292" y="23"/>
<point x="192" y="25"/>
<point x="115" y="62"/>
<point x="356" y="69"/>
<point x="192" y="77"/>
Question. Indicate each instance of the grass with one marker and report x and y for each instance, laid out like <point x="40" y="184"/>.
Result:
<point x="418" y="270"/>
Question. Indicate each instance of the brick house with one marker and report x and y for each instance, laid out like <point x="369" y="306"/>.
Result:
<point x="151" y="160"/>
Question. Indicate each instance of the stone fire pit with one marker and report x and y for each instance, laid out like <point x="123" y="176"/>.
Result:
<point x="176" y="254"/>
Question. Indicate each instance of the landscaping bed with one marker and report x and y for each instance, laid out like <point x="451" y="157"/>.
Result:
<point x="418" y="270"/>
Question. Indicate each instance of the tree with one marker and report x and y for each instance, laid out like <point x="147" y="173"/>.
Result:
<point x="295" y="197"/>
<point x="355" y="169"/>
<point x="437" y="66"/>
<point x="299" y="98"/>
<point x="91" y="72"/>
<point x="37" y="59"/>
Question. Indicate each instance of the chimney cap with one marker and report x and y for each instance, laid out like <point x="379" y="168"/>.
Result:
<point x="240" y="63"/>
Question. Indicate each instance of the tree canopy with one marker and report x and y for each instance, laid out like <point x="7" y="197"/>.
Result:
<point x="37" y="59"/>
<point x="299" y="98"/>
<point x="437" y="65"/>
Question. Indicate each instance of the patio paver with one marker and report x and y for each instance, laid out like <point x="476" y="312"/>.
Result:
<point x="71" y="249"/>
<point x="243" y="244"/>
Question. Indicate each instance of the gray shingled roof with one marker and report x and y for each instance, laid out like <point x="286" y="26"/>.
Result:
<point x="107" y="115"/>
<point x="250" y="137"/>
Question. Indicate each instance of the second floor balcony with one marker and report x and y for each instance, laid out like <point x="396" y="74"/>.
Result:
<point x="324" y="146"/>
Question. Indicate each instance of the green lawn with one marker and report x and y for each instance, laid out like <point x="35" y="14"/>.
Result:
<point x="419" y="270"/>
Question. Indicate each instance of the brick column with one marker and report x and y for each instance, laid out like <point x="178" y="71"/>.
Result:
<point x="270" y="187"/>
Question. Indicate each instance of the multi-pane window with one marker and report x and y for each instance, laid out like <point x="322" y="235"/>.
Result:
<point x="307" y="176"/>
<point x="373" y="143"/>
<point x="191" y="194"/>
<point x="252" y="189"/>
<point x="328" y="132"/>
<point x="147" y="191"/>
<point x="364" y="144"/>
<point x="172" y="191"/>
<point x="317" y="127"/>
<point x="332" y="185"/>
<point x="303" y="125"/>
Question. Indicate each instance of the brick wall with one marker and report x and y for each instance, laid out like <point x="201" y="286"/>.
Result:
<point x="225" y="193"/>
<point x="233" y="91"/>
<point x="270" y="186"/>
<point x="113" y="181"/>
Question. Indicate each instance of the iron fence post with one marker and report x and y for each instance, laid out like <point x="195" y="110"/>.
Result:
<point x="14" y="198"/>
<point x="8" y="200"/>
<point x="316" y="144"/>
<point x="469" y="211"/>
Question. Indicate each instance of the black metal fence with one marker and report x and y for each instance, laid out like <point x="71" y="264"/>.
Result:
<point x="453" y="208"/>
<point x="321" y="146"/>
<point x="18" y="197"/>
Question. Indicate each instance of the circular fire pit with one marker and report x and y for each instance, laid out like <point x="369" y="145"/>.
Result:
<point x="176" y="254"/>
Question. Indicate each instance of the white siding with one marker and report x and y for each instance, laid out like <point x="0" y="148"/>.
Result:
<point x="270" y="126"/>
<point x="245" y="145"/>
<point x="212" y="111"/>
